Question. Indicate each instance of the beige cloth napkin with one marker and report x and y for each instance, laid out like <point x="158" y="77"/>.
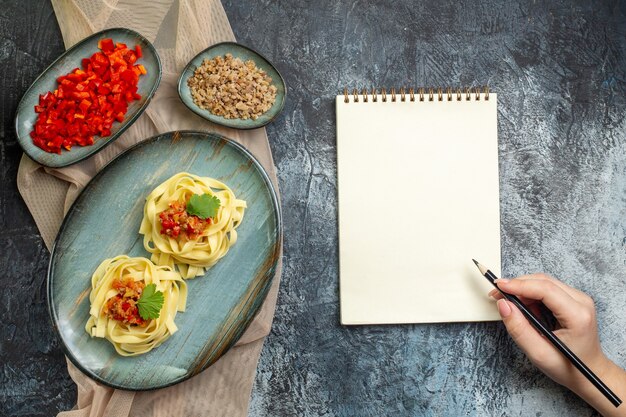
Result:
<point x="178" y="29"/>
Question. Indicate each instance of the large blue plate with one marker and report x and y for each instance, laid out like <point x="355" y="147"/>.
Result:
<point x="25" y="116"/>
<point x="104" y="222"/>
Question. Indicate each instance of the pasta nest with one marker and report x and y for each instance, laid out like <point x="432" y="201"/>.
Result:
<point x="131" y="340"/>
<point x="192" y="257"/>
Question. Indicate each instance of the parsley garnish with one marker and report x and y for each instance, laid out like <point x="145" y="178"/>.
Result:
<point x="203" y="205"/>
<point x="150" y="302"/>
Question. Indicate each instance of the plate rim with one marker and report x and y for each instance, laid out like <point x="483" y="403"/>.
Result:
<point x="218" y="119"/>
<point x="276" y="255"/>
<point x="127" y="123"/>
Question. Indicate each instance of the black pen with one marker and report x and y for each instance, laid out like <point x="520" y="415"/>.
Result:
<point x="553" y="339"/>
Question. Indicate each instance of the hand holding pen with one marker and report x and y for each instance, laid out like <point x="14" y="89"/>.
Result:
<point x="576" y="328"/>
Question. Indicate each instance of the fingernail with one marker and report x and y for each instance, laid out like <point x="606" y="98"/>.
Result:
<point x="492" y="293"/>
<point x="502" y="281"/>
<point x="504" y="308"/>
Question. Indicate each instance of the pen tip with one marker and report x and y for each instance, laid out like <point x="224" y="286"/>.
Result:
<point x="475" y="261"/>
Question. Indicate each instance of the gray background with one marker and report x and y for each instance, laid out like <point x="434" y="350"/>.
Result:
<point x="559" y="69"/>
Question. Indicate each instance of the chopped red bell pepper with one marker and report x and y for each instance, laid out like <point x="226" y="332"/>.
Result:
<point x="106" y="45"/>
<point x="88" y="101"/>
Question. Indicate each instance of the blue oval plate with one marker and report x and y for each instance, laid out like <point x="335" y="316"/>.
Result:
<point x="245" y="54"/>
<point x="25" y="116"/>
<point x="104" y="222"/>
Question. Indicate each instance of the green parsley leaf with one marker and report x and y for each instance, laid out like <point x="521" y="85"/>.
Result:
<point x="150" y="302"/>
<point x="203" y="205"/>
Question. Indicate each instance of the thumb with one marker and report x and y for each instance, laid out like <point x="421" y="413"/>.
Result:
<point x="520" y="330"/>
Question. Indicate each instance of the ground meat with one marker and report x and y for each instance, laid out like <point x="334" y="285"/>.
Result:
<point x="123" y="306"/>
<point x="177" y="223"/>
<point x="228" y="87"/>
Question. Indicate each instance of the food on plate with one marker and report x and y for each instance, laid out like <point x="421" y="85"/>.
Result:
<point x="134" y="303"/>
<point x="228" y="87"/>
<point x="190" y="222"/>
<point x="88" y="101"/>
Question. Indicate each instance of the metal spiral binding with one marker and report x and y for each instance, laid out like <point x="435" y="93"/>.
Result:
<point x="420" y="94"/>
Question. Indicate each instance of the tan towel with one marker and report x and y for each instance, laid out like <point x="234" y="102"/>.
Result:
<point x="179" y="29"/>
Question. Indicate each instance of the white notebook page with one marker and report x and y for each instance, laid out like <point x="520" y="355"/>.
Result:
<point x="418" y="199"/>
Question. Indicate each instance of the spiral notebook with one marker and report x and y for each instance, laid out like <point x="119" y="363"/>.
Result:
<point x="418" y="199"/>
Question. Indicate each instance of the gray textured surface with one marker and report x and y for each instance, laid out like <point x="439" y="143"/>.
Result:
<point x="33" y="375"/>
<point x="559" y="70"/>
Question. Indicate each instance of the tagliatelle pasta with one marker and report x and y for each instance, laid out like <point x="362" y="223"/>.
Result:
<point x="114" y="314"/>
<point x="176" y="237"/>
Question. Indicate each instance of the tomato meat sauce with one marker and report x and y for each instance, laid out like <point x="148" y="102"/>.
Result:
<point x="88" y="100"/>
<point x="177" y="223"/>
<point x="123" y="306"/>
